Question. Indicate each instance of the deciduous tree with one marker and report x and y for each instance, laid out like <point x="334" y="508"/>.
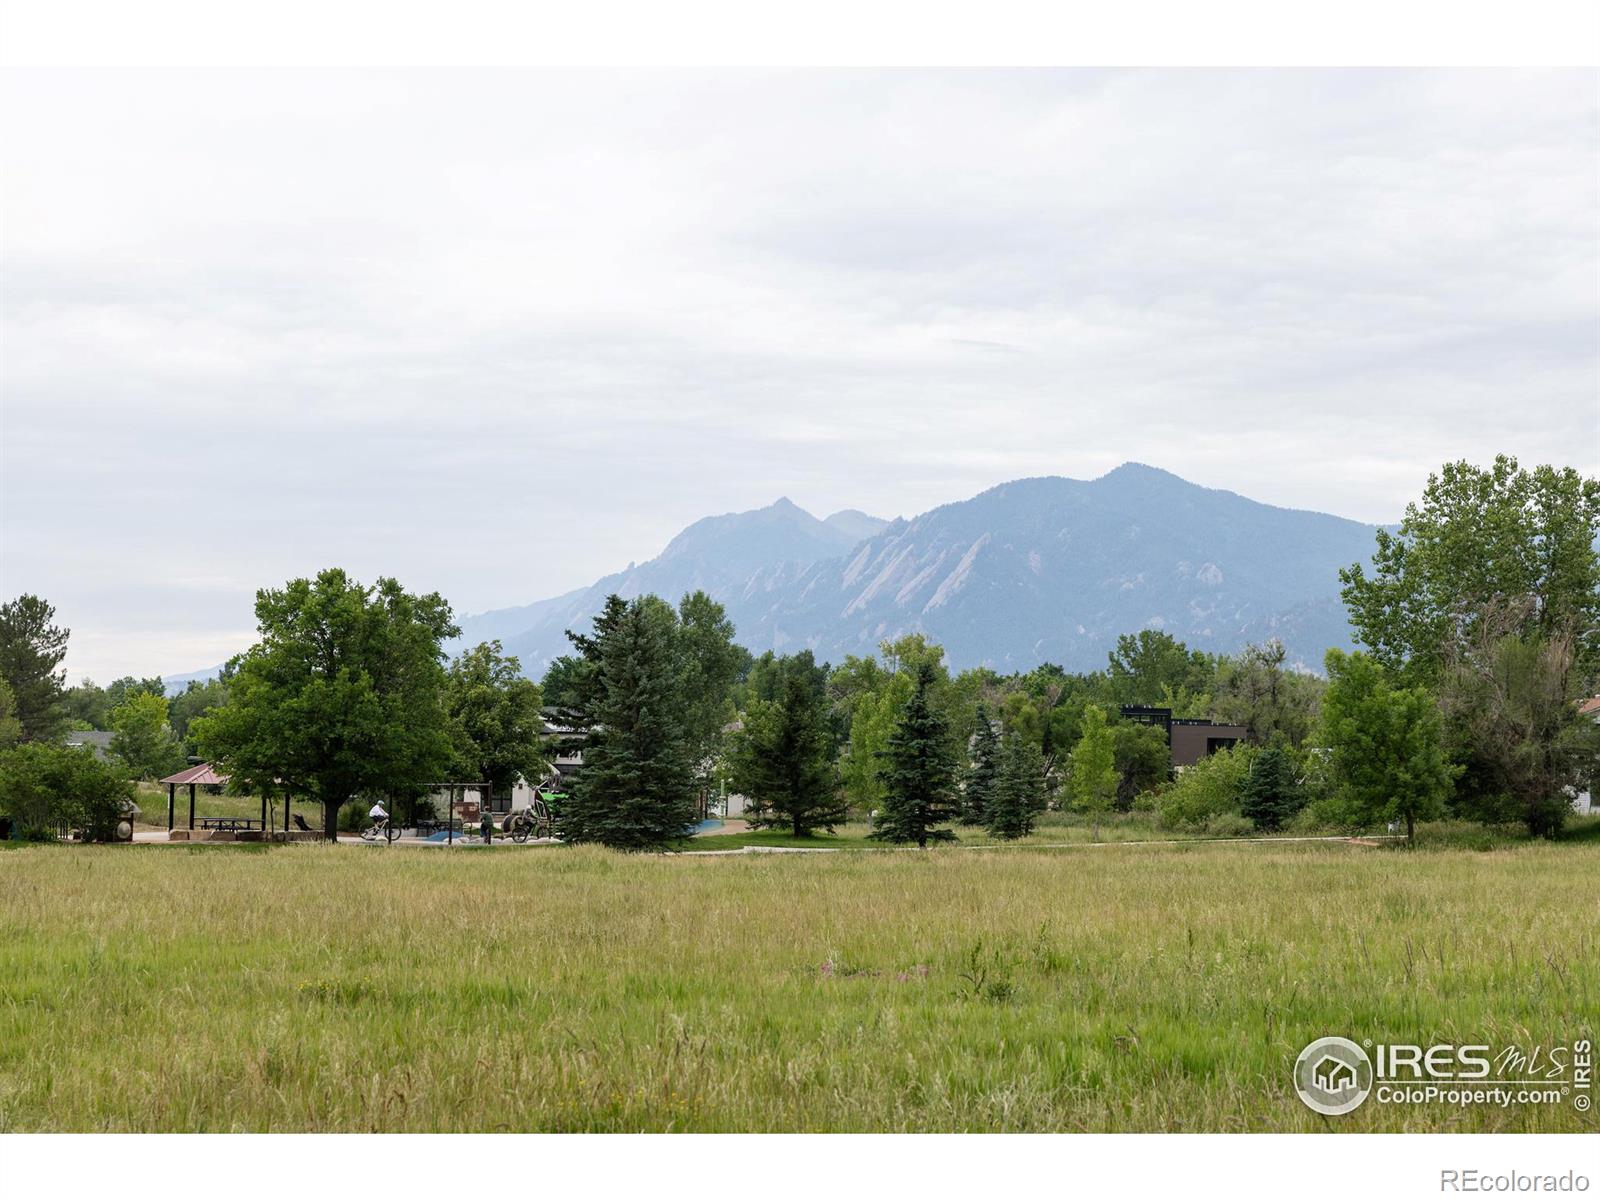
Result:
<point x="1478" y="537"/>
<point x="1150" y="666"/>
<point x="144" y="741"/>
<point x="1511" y="706"/>
<point x="1143" y="760"/>
<point x="495" y="718"/>
<point x="1254" y="689"/>
<point x="46" y="787"/>
<point x="124" y="689"/>
<point x="197" y="699"/>
<point x="87" y="706"/>
<point x="709" y="666"/>
<point x="873" y="720"/>
<point x="342" y="695"/>
<point x="1094" y="768"/>
<point x="1385" y="744"/>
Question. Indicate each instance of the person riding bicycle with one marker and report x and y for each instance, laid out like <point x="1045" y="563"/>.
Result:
<point x="379" y="814"/>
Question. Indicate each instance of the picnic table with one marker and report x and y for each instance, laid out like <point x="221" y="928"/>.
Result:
<point x="229" y="824"/>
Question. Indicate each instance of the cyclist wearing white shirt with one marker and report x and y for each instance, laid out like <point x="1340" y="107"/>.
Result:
<point x="377" y="812"/>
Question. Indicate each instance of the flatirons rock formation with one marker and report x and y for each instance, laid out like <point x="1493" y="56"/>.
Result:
<point x="1036" y="570"/>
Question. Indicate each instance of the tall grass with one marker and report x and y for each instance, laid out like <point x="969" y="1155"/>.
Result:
<point x="310" y="987"/>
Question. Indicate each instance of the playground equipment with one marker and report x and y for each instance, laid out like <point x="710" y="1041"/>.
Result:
<point x="531" y="816"/>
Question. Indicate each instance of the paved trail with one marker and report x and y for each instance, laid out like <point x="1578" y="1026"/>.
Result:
<point x="1349" y="841"/>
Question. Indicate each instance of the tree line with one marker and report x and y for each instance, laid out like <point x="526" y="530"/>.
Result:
<point x="346" y="695"/>
<point x="1479" y="621"/>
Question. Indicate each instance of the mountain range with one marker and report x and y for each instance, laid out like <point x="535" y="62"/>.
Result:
<point x="1036" y="570"/>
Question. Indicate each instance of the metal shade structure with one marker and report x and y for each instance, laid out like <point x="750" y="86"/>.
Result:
<point x="195" y="777"/>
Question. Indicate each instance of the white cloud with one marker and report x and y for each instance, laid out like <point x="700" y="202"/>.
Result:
<point x="499" y="332"/>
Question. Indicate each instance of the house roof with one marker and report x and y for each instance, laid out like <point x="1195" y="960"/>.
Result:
<point x="202" y="774"/>
<point x="1589" y="707"/>
<point x="97" y="740"/>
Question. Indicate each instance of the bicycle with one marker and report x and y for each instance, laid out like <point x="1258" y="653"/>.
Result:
<point x="380" y="828"/>
<point x="532" y="822"/>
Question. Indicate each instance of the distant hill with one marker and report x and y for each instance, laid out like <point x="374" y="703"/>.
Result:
<point x="736" y="555"/>
<point x="180" y="683"/>
<point x="1037" y="570"/>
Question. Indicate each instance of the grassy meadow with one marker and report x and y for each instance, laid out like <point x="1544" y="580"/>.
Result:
<point x="1110" y="988"/>
<point x="1052" y="829"/>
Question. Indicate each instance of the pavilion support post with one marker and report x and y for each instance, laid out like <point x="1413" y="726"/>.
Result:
<point x="287" y="800"/>
<point x="263" y="812"/>
<point x="191" y="806"/>
<point x="450" y="818"/>
<point x="172" y="803"/>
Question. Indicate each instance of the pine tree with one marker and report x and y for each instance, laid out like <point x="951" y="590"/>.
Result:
<point x="918" y="773"/>
<point x="31" y="649"/>
<point x="1272" y="793"/>
<point x="1019" y="789"/>
<point x="636" y="791"/>
<point x="583" y="690"/>
<point x="983" y="774"/>
<point x="782" y="759"/>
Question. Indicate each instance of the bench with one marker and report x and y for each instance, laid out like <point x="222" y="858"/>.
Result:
<point x="229" y="824"/>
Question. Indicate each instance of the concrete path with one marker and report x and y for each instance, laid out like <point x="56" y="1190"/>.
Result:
<point x="1349" y="841"/>
<point x="158" y="837"/>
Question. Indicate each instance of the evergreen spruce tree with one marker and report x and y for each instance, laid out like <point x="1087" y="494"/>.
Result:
<point x="583" y="686"/>
<point x="1272" y="793"/>
<point x="782" y="759"/>
<point x="636" y="791"/>
<point x="983" y="774"/>
<point x="1019" y="789"/>
<point x="918" y="773"/>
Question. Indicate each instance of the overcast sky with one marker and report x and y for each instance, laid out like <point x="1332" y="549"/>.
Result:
<point x="498" y="333"/>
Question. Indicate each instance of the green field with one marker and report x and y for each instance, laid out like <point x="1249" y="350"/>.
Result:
<point x="1052" y="829"/>
<point x="1116" y="988"/>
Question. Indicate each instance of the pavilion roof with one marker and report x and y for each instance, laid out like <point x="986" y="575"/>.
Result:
<point x="202" y="774"/>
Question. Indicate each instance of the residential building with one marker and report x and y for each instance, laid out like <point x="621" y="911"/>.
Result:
<point x="1189" y="739"/>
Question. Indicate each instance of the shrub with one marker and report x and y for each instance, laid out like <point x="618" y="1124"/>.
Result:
<point x="1214" y="785"/>
<point x="1227" y="825"/>
<point x="45" y="788"/>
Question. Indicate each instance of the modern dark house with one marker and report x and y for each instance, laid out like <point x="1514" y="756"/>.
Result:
<point x="1189" y="739"/>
